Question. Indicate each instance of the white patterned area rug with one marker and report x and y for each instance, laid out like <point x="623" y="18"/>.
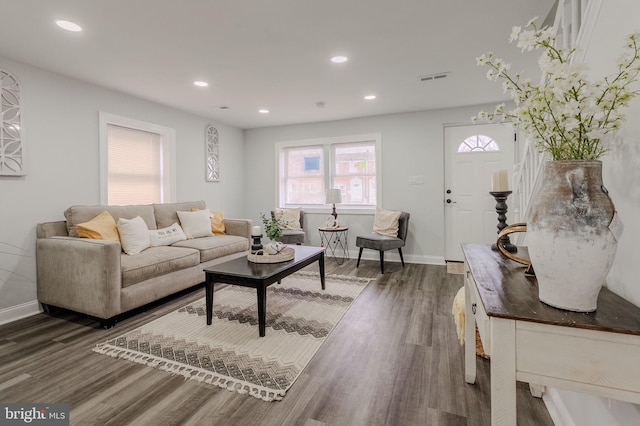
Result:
<point x="229" y="353"/>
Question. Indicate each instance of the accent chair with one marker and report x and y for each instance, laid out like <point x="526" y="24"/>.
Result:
<point x="382" y="243"/>
<point x="291" y="236"/>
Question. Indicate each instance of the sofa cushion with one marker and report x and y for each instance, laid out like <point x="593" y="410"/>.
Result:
<point x="217" y="221"/>
<point x="156" y="261"/>
<point x="134" y="235"/>
<point x="166" y="214"/>
<point x="166" y="236"/>
<point x="215" y="247"/>
<point x="79" y="214"/>
<point x="101" y="227"/>
<point x="196" y="224"/>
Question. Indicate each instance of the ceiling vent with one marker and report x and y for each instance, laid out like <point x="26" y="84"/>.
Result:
<point x="438" y="76"/>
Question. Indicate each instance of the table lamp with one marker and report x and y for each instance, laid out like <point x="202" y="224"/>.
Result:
<point x="334" y="196"/>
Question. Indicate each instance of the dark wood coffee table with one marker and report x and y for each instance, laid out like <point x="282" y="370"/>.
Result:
<point x="259" y="276"/>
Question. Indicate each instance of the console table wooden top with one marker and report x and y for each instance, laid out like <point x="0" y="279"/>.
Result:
<point x="506" y="292"/>
<point x="595" y="353"/>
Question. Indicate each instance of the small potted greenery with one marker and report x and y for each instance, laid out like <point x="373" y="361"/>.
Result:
<point x="274" y="233"/>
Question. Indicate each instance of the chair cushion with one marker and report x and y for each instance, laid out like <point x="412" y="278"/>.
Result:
<point x="288" y="218"/>
<point x="386" y="222"/>
<point x="379" y="242"/>
<point x="292" y="237"/>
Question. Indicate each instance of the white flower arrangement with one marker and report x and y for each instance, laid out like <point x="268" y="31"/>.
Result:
<point x="566" y="115"/>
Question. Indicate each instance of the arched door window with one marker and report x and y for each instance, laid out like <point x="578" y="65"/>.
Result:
<point x="11" y="146"/>
<point x="478" y="143"/>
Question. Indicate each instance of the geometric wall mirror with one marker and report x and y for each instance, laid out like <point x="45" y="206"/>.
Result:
<point x="212" y="153"/>
<point x="11" y="143"/>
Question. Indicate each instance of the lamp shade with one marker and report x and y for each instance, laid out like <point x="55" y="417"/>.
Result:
<point x="334" y="196"/>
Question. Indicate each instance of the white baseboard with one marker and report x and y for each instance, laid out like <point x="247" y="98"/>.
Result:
<point x="17" y="312"/>
<point x="393" y="256"/>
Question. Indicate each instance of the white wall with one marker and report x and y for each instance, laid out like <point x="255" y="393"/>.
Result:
<point x="60" y="121"/>
<point x="621" y="175"/>
<point x="412" y="145"/>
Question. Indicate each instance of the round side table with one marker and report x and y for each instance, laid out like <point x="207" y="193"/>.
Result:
<point x="336" y="241"/>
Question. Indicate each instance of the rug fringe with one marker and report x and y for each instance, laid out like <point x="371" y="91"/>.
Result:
<point x="191" y="373"/>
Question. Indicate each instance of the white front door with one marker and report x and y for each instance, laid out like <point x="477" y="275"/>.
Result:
<point x="472" y="154"/>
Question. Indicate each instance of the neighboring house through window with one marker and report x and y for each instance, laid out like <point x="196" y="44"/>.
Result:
<point x="308" y="168"/>
<point x="137" y="162"/>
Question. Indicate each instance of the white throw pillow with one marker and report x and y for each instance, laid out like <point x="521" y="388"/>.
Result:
<point x="166" y="236"/>
<point x="196" y="224"/>
<point x="386" y="222"/>
<point x="134" y="235"/>
<point x="288" y="218"/>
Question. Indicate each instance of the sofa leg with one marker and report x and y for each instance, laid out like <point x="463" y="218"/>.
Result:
<point x="382" y="261"/>
<point x="359" y="256"/>
<point x="401" y="258"/>
<point x="108" y="323"/>
<point x="46" y="308"/>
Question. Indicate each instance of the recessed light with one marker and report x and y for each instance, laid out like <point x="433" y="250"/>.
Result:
<point x="201" y="83"/>
<point x="263" y="111"/>
<point x="370" y="97"/>
<point x="339" y="59"/>
<point x="69" y="26"/>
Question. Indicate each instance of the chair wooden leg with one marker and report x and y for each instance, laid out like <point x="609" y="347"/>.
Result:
<point x="359" y="256"/>
<point x="401" y="258"/>
<point x="382" y="261"/>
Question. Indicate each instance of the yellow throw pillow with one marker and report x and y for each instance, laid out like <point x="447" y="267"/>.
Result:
<point x="101" y="227"/>
<point x="217" y="221"/>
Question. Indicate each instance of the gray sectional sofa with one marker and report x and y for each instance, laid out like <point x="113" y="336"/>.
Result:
<point x="97" y="278"/>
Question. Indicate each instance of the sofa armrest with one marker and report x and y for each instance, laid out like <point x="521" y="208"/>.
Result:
<point x="239" y="227"/>
<point x="80" y="274"/>
<point x="52" y="229"/>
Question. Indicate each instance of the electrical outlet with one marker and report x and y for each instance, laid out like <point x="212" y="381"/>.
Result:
<point x="416" y="180"/>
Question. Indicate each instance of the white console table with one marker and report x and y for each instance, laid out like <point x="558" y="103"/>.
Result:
<point x="596" y="353"/>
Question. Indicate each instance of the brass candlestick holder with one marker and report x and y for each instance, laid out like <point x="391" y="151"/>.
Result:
<point x="501" y="209"/>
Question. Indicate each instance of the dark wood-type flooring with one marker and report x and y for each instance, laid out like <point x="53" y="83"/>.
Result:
<point x="394" y="359"/>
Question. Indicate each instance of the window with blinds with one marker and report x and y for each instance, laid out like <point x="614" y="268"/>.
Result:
<point x="135" y="166"/>
<point x="137" y="160"/>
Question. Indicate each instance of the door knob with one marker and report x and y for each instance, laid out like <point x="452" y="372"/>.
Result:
<point x="449" y="201"/>
<point x="448" y="191"/>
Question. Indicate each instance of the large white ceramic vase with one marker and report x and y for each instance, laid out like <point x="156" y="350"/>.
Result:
<point x="570" y="243"/>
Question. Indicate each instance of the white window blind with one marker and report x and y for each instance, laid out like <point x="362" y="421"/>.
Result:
<point x="134" y="164"/>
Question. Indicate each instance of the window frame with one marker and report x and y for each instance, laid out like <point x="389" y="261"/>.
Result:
<point x="168" y="152"/>
<point x="328" y="170"/>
